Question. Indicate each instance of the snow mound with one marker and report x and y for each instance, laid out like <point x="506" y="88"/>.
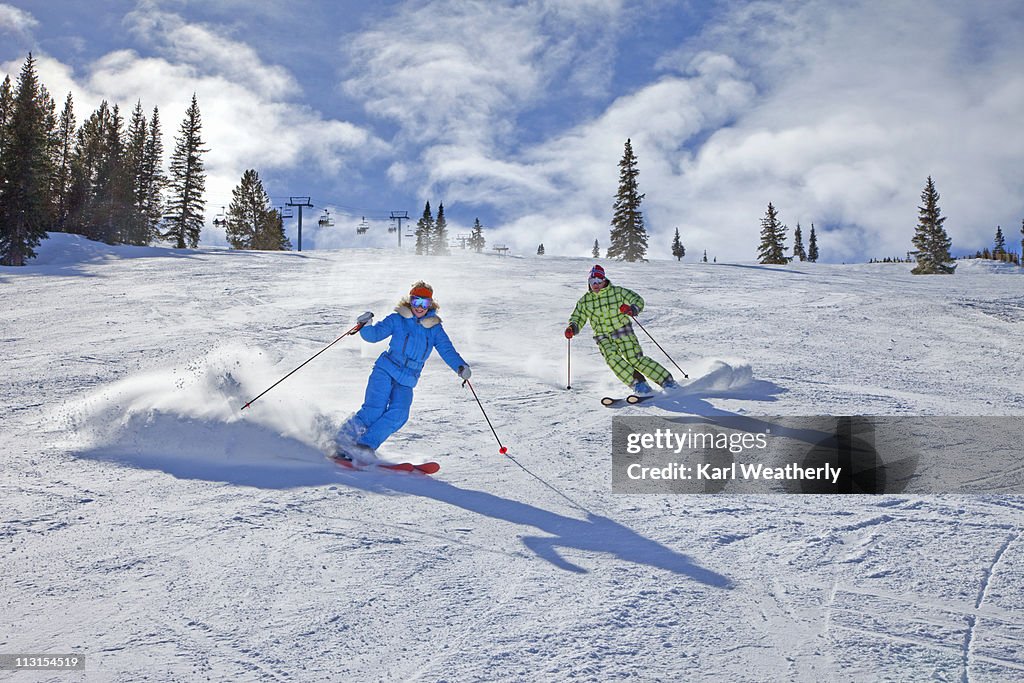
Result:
<point x="62" y="249"/>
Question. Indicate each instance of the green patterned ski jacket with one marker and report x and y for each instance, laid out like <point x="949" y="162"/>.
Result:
<point x="602" y="310"/>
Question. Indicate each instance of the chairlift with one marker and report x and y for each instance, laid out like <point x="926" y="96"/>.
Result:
<point x="219" y="220"/>
<point x="287" y="212"/>
<point x="326" y="221"/>
<point x="363" y="227"/>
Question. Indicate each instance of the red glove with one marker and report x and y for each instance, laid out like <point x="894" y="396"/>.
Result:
<point x="569" y="332"/>
<point x="628" y="309"/>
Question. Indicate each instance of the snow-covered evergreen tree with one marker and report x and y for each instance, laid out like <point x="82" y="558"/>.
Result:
<point x="678" y="250"/>
<point x="798" y="244"/>
<point x="25" y="169"/>
<point x="64" y="147"/>
<point x="540" y="249"/>
<point x="930" y="238"/>
<point x="596" y="251"/>
<point x="476" y="237"/>
<point x="184" y="220"/>
<point x="425" y="230"/>
<point x="705" y="259"/>
<point x="135" y="231"/>
<point x="773" y="238"/>
<point x="440" y="237"/>
<point x="153" y="181"/>
<point x="628" y="234"/>
<point x="812" y="246"/>
<point x="251" y="221"/>
<point x="999" y="248"/>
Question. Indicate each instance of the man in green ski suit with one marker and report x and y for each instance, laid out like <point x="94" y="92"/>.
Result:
<point x="608" y="309"/>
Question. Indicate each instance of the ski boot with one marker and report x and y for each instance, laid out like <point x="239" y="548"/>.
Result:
<point x="642" y="389"/>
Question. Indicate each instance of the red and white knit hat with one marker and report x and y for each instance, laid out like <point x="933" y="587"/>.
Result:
<point x="597" y="271"/>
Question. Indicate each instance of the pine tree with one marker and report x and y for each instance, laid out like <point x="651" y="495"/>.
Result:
<point x="705" y="259"/>
<point x="1000" y="243"/>
<point x="6" y="109"/>
<point x="628" y="234"/>
<point x="424" y="231"/>
<point x="773" y="239"/>
<point x="153" y="181"/>
<point x="930" y="236"/>
<point x="798" y="244"/>
<point x="252" y="223"/>
<point x="540" y="249"/>
<point x="596" y="251"/>
<point x="440" y="238"/>
<point x="1022" y="238"/>
<point x="476" y="238"/>
<point x="678" y="250"/>
<point x="26" y="172"/>
<point x="108" y="196"/>
<point x="812" y="246"/>
<point x="64" y="148"/>
<point x="135" y="231"/>
<point x="87" y="197"/>
<point x="184" y="221"/>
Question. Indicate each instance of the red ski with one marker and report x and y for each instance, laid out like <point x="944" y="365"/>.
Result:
<point x="425" y="468"/>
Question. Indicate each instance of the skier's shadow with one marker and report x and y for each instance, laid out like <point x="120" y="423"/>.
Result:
<point x="594" y="533"/>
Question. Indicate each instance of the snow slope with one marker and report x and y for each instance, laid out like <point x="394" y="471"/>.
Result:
<point x="150" y="525"/>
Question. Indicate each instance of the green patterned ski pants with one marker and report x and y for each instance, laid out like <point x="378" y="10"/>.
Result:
<point x="626" y="359"/>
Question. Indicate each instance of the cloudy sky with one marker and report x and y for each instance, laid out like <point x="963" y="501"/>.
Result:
<point x="516" y="111"/>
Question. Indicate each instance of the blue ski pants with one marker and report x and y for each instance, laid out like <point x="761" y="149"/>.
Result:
<point x="385" y="408"/>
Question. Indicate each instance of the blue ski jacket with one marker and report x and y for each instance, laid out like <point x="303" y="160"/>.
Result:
<point x="412" y="340"/>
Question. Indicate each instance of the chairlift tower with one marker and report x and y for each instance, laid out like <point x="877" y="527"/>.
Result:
<point x="400" y="216"/>
<point x="299" y="202"/>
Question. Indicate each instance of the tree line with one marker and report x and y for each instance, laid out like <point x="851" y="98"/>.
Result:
<point x="103" y="179"/>
<point x="931" y="242"/>
<point x="432" y="233"/>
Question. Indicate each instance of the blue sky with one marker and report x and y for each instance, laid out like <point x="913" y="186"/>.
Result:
<point x="516" y="112"/>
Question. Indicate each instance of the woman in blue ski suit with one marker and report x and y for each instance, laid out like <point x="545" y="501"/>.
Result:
<point x="415" y="330"/>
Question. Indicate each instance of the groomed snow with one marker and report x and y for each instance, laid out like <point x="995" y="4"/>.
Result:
<point x="152" y="526"/>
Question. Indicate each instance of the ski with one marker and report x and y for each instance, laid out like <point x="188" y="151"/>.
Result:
<point x="425" y="467"/>
<point x="632" y="399"/>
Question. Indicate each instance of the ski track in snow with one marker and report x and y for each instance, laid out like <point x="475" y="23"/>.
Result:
<point x="150" y="525"/>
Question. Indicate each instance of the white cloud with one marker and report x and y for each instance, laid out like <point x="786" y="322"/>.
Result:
<point x="835" y="112"/>
<point x="209" y="51"/>
<point x="457" y="74"/>
<point x="248" y="118"/>
<point x="16" y="20"/>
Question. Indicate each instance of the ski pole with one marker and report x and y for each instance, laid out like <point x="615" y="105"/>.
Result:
<point x="568" y="363"/>
<point x="501" y="449"/>
<point x="659" y="346"/>
<point x="350" y="332"/>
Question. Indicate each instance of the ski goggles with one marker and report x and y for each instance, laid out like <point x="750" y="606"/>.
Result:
<point x="419" y="302"/>
<point x="597" y="281"/>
